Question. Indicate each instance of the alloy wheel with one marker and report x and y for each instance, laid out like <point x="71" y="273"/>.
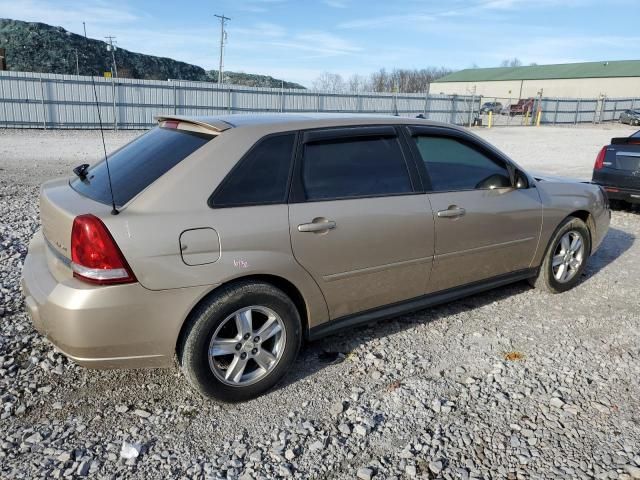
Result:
<point x="568" y="256"/>
<point x="247" y="346"/>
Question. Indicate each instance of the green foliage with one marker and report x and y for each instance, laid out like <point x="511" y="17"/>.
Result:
<point x="38" y="47"/>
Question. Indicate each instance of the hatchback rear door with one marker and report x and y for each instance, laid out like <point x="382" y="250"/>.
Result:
<point x="484" y="226"/>
<point x="358" y="223"/>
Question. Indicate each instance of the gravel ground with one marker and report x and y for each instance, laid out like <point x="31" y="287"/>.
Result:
<point x="512" y="383"/>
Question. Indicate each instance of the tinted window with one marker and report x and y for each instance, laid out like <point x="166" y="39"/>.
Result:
<point x="454" y="165"/>
<point x="369" y="166"/>
<point x="138" y="164"/>
<point x="261" y="176"/>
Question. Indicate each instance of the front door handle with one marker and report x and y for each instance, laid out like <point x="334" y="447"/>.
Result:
<point x="452" y="212"/>
<point x="318" y="225"/>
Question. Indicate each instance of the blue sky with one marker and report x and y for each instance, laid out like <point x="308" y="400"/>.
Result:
<point x="299" y="39"/>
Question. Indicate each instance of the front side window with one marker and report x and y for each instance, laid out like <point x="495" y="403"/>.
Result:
<point x="262" y="175"/>
<point x="354" y="167"/>
<point x="454" y="165"/>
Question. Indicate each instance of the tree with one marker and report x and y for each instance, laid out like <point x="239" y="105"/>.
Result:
<point x="330" y="82"/>
<point x="358" y="84"/>
<point x="511" y="62"/>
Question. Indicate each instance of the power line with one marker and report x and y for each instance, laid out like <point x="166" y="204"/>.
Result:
<point x="112" y="49"/>
<point x="223" y="41"/>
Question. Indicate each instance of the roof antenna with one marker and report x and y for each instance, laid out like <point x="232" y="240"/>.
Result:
<point x="114" y="211"/>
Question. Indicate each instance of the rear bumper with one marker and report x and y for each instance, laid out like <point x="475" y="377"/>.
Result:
<point x="118" y="326"/>
<point x="625" y="194"/>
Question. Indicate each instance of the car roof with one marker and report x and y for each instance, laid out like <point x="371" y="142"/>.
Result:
<point x="295" y="121"/>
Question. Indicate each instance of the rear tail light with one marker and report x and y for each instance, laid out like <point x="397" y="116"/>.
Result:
<point x="600" y="159"/>
<point x="95" y="256"/>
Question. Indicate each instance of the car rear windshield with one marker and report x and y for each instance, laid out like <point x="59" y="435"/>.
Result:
<point x="138" y="164"/>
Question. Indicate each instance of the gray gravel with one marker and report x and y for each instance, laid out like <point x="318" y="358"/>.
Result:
<point x="512" y="383"/>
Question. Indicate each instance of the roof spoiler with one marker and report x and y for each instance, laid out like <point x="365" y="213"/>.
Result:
<point x="207" y="123"/>
<point x="625" y="141"/>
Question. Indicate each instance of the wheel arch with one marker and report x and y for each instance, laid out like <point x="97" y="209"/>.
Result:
<point x="587" y="218"/>
<point x="281" y="283"/>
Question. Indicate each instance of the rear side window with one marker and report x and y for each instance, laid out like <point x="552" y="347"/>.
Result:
<point x="355" y="167"/>
<point x="454" y="165"/>
<point x="261" y="177"/>
<point x="140" y="163"/>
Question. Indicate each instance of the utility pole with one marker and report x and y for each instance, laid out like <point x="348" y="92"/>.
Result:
<point x="223" y="40"/>
<point x="77" y="63"/>
<point x="112" y="49"/>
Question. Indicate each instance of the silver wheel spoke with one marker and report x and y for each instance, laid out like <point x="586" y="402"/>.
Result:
<point x="557" y="260"/>
<point x="265" y="359"/>
<point x="223" y="346"/>
<point x="560" y="271"/>
<point x="244" y="322"/>
<point x="576" y="243"/>
<point x="236" y="369"/>
<point x="565" y="273"/>
<point x="269" y="329"/>
<point x="565" y="243"/>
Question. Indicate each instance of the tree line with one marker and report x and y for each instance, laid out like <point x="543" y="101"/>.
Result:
<point x="399" y="80"/>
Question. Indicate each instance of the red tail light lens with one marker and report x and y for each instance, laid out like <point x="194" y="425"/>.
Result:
<point x="600" y="159"/>
<point x="95" y="257"/>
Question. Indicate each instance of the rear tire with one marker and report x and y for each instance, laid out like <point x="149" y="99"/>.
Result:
<point x="565" y="258"/>
<point x="221" y="350"/>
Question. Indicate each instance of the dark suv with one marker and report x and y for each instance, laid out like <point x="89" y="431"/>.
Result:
<point x="617" y="169"/>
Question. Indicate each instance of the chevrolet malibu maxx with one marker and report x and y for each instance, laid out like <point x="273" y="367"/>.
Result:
<point x="223" y="243"/>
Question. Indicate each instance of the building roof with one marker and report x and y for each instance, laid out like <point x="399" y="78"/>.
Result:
<point x="620" y="68"/>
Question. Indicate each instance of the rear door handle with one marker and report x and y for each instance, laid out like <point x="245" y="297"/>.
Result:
<point x="318" y="225"/>
<point x="452" y="212"/>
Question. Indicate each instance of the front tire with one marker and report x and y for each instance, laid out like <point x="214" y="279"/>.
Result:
<point x="565" y="258"/>
<point x="240" y="342"/>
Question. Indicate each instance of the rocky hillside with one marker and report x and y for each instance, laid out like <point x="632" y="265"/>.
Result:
<point x="38" y="47"/>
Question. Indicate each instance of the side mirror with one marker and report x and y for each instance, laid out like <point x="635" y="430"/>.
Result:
<point x="521" y="180"/>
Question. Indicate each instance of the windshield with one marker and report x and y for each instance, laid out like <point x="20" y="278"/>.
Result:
<point x="138" y="164"/>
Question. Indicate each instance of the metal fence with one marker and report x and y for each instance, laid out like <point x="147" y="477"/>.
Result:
<point x="33" y="100"/>
<point x="563" y="111"/>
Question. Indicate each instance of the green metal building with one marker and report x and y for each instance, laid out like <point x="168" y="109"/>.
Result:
<point x="613" y="79"/>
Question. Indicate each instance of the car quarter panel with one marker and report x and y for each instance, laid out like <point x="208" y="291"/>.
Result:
<point x="561" y="199"/>
<point x="254" y="240"/>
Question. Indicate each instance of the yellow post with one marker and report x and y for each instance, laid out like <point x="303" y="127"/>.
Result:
<point x="538" y="118"/>
<point x="525" y="118"/>
<point x="490" y="119"/>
